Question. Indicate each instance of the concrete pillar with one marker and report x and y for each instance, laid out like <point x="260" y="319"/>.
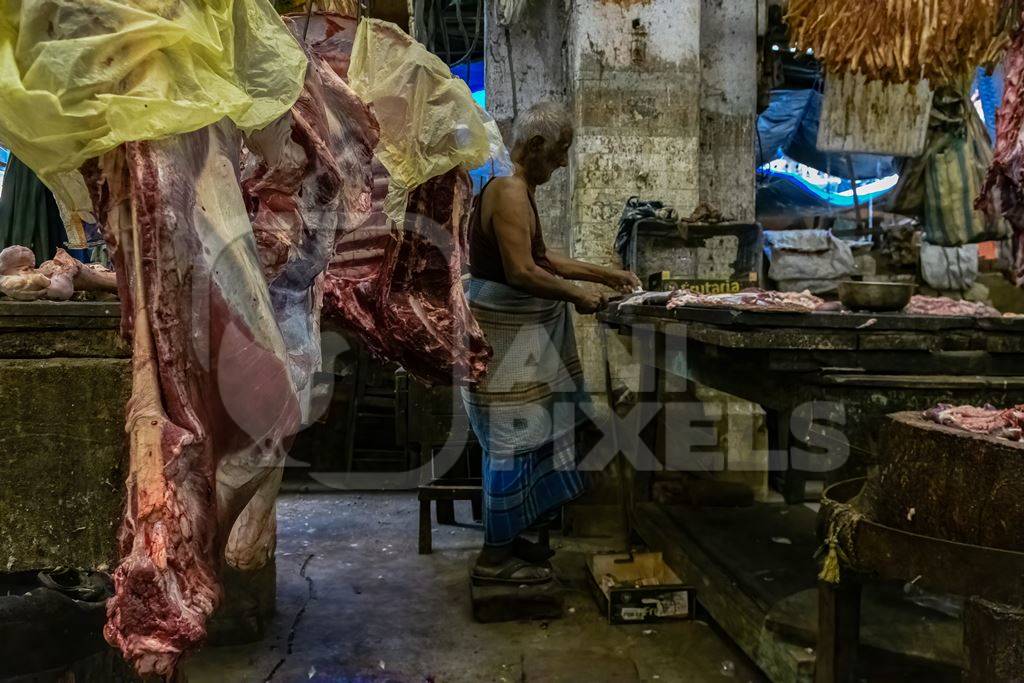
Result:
<point x="635" y="78"/>
<point x="728" y="61"/>
<point x="525" y="66"/>
<point x="663" y="94"/>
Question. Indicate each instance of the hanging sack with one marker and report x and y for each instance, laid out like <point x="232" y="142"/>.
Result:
<point x="954" y="172"/>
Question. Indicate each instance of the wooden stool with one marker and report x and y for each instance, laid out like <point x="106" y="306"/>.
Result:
<point x="445" y="493"/>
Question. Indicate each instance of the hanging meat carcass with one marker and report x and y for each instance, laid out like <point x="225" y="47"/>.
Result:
<point x="1003" y="192"/>
<point x="223" y="274"/>
<point x="398" y="289"/>
<point x="221" y="358"/>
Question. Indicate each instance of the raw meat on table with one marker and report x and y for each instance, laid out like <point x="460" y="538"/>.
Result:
<point x="1005" y="424"/>
<point x="752" y="300"/>
<point x="940" y="305"/>
<point x="56" y="280"/>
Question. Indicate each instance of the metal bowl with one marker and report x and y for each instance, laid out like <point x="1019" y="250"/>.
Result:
<point x="875" y="296"/>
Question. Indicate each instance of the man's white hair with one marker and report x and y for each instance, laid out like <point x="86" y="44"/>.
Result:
<point x="545" y="120"/>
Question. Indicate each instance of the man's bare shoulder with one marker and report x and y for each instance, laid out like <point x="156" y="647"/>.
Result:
<point x="509" y="189"/>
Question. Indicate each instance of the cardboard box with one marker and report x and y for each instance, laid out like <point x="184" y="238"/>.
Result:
<point x="660" y="595"/>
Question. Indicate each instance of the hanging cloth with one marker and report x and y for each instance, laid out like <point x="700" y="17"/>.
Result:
<point x="28" y="213"/>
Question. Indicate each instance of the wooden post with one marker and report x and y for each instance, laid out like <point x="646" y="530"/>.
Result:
<point x="477" y="503"/>
<point x="425" y="521"/>
<point x="794" y="488"/>
<point x="544" y="536"/>
<point x="838" y="632"/>
<point x="446" y="512"/>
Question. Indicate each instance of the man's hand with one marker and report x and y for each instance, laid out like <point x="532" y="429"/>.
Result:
<point x="590" y="302"/>
<point x="621" y="281"/>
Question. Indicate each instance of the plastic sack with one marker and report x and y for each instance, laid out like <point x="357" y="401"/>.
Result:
<point x="949" y="268"/>
<point x="805" y="255"/>
<point x="429" y="123"/>
<point x="953" y="179"/>
<point x="80" y="77"/>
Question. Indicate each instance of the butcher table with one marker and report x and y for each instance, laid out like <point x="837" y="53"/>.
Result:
<point x="755" y="567"/>
<point x="862" y="365"/>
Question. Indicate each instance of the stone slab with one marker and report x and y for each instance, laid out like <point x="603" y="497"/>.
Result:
<point x="62" y="461"/>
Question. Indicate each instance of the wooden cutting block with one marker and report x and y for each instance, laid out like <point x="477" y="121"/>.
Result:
<point x="499" y="603"/>
<point x="946" y="483"/>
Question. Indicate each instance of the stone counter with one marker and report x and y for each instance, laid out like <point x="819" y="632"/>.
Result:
<point x="64" y="379"/>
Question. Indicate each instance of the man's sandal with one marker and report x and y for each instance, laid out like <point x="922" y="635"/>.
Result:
<point x="514" y="571"/>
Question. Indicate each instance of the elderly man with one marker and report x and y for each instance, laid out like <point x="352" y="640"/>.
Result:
<point x="525" y="412"/>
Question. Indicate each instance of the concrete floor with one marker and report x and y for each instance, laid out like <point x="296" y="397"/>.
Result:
<point x="357" y="603"/>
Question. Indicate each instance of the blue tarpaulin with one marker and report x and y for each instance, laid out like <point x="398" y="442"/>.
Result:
<point x="790" y="126"/>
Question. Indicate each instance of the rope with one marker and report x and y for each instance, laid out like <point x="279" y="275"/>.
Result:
<point x="841" y="531"/>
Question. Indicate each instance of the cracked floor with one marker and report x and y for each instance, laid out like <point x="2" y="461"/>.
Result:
<point x="357" y="604"/>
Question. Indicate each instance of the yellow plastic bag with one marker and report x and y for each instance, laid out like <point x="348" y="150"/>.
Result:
<point x="429" y="122"/>
<point x="79" y="77"/>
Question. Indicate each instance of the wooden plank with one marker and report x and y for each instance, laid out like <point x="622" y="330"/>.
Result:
<point x="924" y="382"/>
<point x="63" y="343"/>
<point x="808" y="350"/>
<point x="425" y="531"/>
<point x="767" y="547"/>
<point x="778" y="338"/>
<point x="502" y="603"/>
<point x="736" y="612"/>
<point x="891" y="624"/>
<point x="26" y="317"/>
<point x="814" y="339"/>
<point x="821" y="320"/>
<point x="916" y="341"/>
<point x="993" y="634"/>
<point x="65" y="309"/>
<point x="1004" y="343"/>
<point x="764" y="593"/>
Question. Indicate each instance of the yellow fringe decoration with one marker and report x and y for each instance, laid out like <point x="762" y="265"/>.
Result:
<point x="830" y="567"/>
<point x="844" y="523"/>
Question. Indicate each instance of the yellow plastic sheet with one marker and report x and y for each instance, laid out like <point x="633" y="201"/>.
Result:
<point x="79" y="77"/>
<point x="429" y="122"/>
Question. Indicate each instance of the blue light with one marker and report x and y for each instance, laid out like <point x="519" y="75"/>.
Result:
<point x="826" y="187"/>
